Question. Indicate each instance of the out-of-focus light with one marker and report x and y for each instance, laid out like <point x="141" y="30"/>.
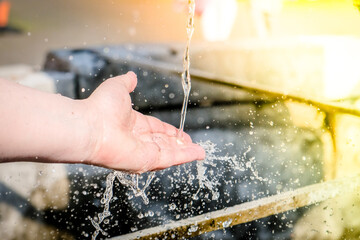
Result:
<point x="341" y="71"/>
<point x="357" y="4"/>
<point x="263" y="13"/>
<point x="218" y="18"/>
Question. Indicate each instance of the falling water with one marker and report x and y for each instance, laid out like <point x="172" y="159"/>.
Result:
<point x="185" y="76"/>
<point x="131" y="181"/>
<point x="96" y="221"/>
<point x="206" y="179"/>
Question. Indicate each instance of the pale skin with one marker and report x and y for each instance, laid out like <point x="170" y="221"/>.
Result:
<point x="101" y="130"/>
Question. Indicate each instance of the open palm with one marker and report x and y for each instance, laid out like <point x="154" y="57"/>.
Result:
<point x="125" y="139"/>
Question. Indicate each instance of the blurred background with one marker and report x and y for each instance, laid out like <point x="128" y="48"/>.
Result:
<point x="288" y="111"/>
<point x="46" y="25"/>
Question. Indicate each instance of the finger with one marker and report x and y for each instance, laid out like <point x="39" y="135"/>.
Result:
<point x="176" y="156"/>
<point x="129" y="80"/>
<point x="158" y="126"/>
<point x="160" y="151"/>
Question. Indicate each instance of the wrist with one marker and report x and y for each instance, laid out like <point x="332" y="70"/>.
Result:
<point x="89" y="133"/>
<point x="83" y="132"/>
<point x="71" y="132"/>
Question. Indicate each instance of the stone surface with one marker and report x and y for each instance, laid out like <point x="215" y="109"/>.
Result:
<point x="27" y="192"/>
<point x="14" y="72"/>
<point x="65" y="83"/>
<point x="27" y="76"/>
<point x="257" y="129"/>
<point x="323" y="67"/>
<point x="89" y="68"/>
<point x="162" y="84"/>
<point x="275" y="157"/>
<point x="269" y="153"/>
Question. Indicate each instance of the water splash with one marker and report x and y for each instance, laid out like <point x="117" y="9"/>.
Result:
<point x="207" y="177"/>
<point x="108" y="194"/>
<point x="127" y="179"/>
<point x="132" y="182"/>
<point x="210" y="179"/>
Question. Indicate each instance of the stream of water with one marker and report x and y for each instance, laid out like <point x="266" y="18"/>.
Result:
<point x="204" y="178"/>
<point x="185" y="76"/>
<point x="132" y="180"/>
<point x="201" y="176"/>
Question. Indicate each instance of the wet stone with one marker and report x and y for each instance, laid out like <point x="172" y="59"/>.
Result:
<point x="90" y="68"/>
<point x="158" y="86"/>
<point x="65" y="83"/>
<point x="175" y="186"/>
<point x="260" y="151"/>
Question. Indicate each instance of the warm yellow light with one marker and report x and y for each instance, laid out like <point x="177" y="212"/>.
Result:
<point x="341" y="67"/>
<point x="218" y="19"/>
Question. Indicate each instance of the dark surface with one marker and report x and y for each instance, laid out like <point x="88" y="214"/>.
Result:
<point x="275" y="155"/>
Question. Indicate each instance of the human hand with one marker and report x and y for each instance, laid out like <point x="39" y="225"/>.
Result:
<point x="125" y="139"/>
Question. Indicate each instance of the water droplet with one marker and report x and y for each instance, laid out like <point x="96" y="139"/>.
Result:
<point x="200" y="120"/>
<point x="227" y="223"/>
<point x="171" y="95"/>
<point x="106" y="50"/>
<point x="192" y="229"/>
<point x="172" y="206"/>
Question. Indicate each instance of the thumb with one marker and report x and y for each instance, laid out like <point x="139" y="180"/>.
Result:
<point x="130" y="81"/>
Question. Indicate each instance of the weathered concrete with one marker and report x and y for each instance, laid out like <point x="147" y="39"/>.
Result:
<point x="28" y="189"/>
<point x="258" y="130"/>
<point x="323" y="68"/>
<point x="233" y="119"/>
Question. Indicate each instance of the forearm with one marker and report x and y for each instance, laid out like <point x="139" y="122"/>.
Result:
<point x="38" y="126"/>
<point x="102" y="130"/>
